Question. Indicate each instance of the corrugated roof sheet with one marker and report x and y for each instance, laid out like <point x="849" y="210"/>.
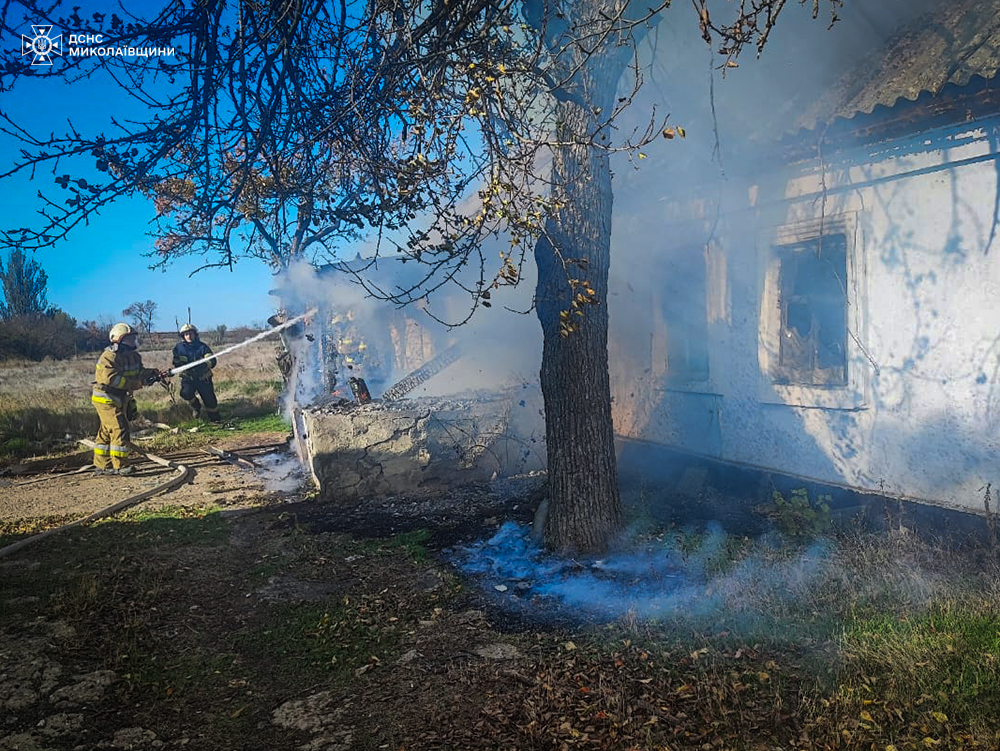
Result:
<point x="950" y="45"/>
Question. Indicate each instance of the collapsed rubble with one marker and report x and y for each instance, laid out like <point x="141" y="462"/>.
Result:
<point x="351" y="368"/>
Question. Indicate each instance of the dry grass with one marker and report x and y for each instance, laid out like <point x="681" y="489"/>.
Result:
<point x="45" y="403"/>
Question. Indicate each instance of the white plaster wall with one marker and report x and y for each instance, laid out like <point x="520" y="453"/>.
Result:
<point x="929" y="344"/>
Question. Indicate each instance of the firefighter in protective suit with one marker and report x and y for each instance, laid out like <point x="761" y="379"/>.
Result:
<point x="196" y="381"/>
<point x="119" y="373"/>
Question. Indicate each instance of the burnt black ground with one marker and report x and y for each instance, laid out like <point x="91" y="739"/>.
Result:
<point x="451" y="520"/>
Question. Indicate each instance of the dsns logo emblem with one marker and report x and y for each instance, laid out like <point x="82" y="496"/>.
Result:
<point x="42" y="46"/>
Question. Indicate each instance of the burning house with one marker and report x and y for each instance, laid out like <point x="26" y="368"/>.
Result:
<point x="816" y="307"/>
<point x="387" y="400"/>
<point x="822" y="306"/>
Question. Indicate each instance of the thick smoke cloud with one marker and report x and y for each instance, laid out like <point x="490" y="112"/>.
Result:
<point x="662" y="263"/>
<point x="500" y="347"/>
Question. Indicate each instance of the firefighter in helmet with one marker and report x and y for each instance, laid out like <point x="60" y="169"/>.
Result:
<point x="196" y="381"/>
<point x="119" y="373"/>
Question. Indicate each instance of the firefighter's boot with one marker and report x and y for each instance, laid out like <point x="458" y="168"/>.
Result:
<point x="213" y="415"/>
<point x="195" y="407"/>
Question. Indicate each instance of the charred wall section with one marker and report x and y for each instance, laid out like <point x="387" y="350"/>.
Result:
<point x="421" y="446"/>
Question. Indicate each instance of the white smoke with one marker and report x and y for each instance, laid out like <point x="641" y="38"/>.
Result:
<point x="707" y="580"/>
<point x="500" y="345"/>
<point x="281" y="473"/>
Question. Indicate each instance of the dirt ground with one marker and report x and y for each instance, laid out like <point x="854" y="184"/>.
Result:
<point x="249" y="613"/>
<point x="31" y="490"/>
<point x="300" y="625"/>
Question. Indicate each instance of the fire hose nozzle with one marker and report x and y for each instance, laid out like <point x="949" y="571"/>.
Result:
<point x="159" y="376"/>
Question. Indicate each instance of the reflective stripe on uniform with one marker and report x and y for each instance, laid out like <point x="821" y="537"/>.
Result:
<point x="100" y="397"/>
<point x="101" y="449"/>
<point x="119" y="450"/>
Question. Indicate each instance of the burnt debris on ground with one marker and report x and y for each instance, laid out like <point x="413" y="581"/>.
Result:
<point x="453" y="517"/>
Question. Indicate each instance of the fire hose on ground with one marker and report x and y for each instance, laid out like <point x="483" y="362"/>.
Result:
<point x="182" y="473"/>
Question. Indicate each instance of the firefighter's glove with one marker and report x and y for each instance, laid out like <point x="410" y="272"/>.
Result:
<point x="160" y="376"/>
<point x="131" y="410"/>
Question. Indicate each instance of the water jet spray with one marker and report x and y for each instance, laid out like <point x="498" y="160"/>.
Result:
<point x="251" y="340"/>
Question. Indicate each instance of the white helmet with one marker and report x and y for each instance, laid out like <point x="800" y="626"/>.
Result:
<point x="118" y="331"/>
<point x="188" y="327"/>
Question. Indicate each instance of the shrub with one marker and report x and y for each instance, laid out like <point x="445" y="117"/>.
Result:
<point x="53" y="334"/>
<point x="798" y="516"/>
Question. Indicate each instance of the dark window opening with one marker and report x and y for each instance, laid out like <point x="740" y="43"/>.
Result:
<point x="686" y="315"/>
<point x="813" y="300"/>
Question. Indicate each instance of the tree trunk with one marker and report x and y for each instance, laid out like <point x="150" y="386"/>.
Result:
<point x="584" y="513"/>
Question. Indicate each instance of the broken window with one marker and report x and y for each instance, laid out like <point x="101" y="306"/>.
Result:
<point x="812" y="298"/>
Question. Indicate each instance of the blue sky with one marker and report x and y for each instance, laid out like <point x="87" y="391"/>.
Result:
<point x="100" y="270"/>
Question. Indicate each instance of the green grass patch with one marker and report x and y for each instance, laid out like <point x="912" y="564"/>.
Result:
<point x="269" y="389"/>
<point x="948" y="654"/>
<point x="15" y="447"/>
<point x="412" y="544"/>
<point x="208" y="433"/>
<point x="269" y="423"/>
<point x="233" y="410"/>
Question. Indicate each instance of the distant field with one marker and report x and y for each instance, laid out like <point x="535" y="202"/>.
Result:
<point x="42" y="403"/>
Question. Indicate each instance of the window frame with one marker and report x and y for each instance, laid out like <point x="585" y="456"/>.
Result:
<point x="772" y="250"/>
<point x="687" y="380"/>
